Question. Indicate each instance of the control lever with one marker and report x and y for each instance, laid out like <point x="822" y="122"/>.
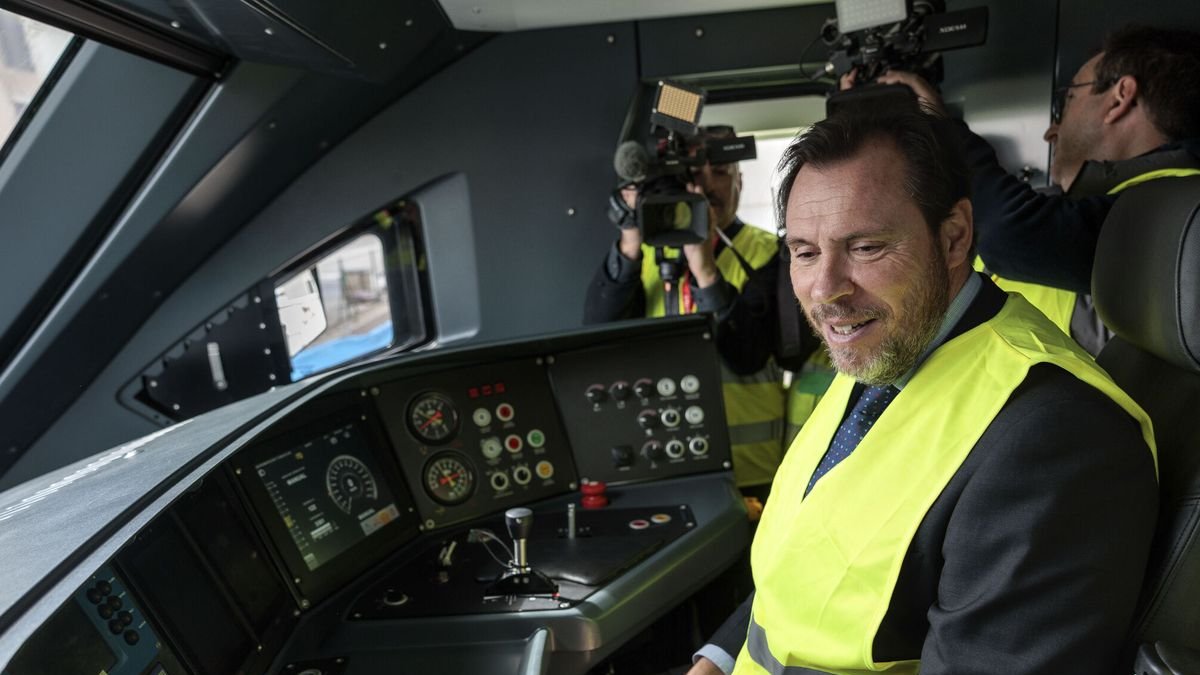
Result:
<point x="520" y="579"/>
<point x="519" y="522"/>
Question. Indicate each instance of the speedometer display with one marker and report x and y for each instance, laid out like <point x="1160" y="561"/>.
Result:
<point x="449" y="479"/>
<point x="349" y="483"/>
<point x="328" y="491"/>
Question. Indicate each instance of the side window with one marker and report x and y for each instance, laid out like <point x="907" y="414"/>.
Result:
<point x="29" y="51"/>
<point x="337" y="310"/>
<point x="356" y="296"/>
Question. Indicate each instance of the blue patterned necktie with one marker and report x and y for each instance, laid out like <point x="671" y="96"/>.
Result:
<point x="862" y="417"/>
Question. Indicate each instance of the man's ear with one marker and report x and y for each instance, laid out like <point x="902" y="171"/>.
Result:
<point x="957" y="234"/>
<point x="1121" y="99"/>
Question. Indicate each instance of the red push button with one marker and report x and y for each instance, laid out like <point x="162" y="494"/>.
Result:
<point x="504" y="412"/>
<point x="514" y="443"/>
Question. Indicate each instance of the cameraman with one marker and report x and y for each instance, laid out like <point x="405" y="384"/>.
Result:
<point x="1130" y="114"/>
<point x="712" y="275"/>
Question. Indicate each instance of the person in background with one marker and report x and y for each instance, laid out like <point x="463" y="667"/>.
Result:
<point x="1130" y="114"/>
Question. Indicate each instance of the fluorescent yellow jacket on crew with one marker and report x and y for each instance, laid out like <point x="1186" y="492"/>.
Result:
<point x="1059" y="304"/>
<point x="807" y="388"/>
<point x="753" y="403"/>
<point x="825" y="566"/>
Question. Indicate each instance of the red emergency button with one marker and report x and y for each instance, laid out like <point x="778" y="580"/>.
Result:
<point x="504" y="412"/>
<point x="593" y="495"/>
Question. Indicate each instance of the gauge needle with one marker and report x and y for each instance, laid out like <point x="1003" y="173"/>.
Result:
<point x="432" y="418"/>
<point x="449" y="478"/>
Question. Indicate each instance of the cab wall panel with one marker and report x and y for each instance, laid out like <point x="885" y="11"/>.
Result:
<point x="531" y="121"/>
<point x="1084" y="23"/>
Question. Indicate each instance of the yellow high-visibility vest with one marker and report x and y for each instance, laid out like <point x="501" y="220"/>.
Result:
<point x="807" y="388"/>
<point x="754" y="404"/>
<point x="825" y="565"/>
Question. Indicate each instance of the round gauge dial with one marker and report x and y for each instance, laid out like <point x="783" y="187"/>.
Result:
<point x="349" y="483"/>
<point x="433" y="418"/>
<point x="449" y="479"/>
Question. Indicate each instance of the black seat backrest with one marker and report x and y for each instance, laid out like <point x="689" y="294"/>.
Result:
<point x="1146" y="287"/>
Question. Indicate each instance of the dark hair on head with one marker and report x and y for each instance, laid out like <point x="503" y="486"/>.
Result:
<point x="1166" y="64"/>
<point x="936" y="176"/>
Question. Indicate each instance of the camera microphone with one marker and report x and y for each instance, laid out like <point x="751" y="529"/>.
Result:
<point x="631" y="161"/>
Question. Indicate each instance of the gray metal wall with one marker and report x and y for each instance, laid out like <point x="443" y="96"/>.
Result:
<point x="523" y="131"/>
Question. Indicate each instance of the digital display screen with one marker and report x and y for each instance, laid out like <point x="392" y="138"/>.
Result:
<point x="330" y="493"/>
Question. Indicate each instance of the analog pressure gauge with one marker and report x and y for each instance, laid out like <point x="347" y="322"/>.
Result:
<point x="449" y="479"/>
<point x="432" y="418"/>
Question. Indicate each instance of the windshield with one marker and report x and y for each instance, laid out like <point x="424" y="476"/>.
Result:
<point x="28" y="52"/>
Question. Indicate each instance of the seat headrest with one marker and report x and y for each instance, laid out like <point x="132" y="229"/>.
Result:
<point x="1146" y="278"/>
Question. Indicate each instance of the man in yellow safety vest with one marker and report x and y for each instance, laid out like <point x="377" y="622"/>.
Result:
<point x="939" y="510"/>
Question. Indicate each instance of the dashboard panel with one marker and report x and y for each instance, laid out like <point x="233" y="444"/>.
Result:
<point x="646" y="409"/>
<point x="363" y="504"/>
<point x="473" y="441"/>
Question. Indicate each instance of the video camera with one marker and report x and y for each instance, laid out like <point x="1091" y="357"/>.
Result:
<point x="666" y="212"/>
<point x="875" y="36"/>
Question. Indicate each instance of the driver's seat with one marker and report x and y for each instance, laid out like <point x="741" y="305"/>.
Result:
<point x="1146" y="287"/>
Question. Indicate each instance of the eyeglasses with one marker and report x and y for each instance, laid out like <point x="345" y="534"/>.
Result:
<point x="1058" y="100"/>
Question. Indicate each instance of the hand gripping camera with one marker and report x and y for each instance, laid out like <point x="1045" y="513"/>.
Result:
<point x="875" y="36"/>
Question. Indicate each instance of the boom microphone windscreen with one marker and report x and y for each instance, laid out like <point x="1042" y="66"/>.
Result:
<point x="631" y="161"/>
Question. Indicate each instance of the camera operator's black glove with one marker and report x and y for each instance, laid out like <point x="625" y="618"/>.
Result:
<point x="620" y="213"/>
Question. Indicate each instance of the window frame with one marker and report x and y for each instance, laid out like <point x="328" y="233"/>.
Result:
<point x="43" y="92"/>
<point x="408" y="300"/>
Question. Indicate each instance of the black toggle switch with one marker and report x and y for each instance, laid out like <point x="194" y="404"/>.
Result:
<point x="105" y="611"/>
<point x="622" y="455"/>
<point x="125" y="618"/>
<point x="114" y="602"/>
<point x="115" y="626"/>
<point x="132" y="637"/>
<point x="94" y="596"/>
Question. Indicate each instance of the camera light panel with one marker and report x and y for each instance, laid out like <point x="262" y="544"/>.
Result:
<point x="855" y="15"/>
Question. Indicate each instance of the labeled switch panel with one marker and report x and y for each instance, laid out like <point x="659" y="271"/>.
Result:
<point x="649" y="409"/>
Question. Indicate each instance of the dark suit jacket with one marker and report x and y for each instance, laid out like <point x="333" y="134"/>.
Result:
<point x="1031" y="559"/>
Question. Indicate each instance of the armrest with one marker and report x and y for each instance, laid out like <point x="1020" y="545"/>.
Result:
<point x="1162" y="658"/>
<point x="536" y="658"/>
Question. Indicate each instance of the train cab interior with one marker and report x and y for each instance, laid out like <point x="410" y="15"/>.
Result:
<point x="293" y="373"/>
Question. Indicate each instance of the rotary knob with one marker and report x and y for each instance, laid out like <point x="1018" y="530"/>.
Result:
<point x="596" y="394"/>
<point x="653" y="451"/>
<point x="643" y="388"/>
<point x="620" y="390"/>
<point x="648" y="419"/>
